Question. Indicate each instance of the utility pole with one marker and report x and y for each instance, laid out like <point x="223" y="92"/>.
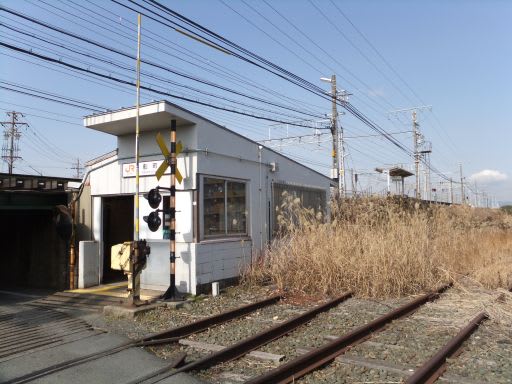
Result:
<point x="341" y="149"/>
<point x="334" y="132"/>
<point x="462" y="197"/>
<point x="451" y="191"/>
<point x="134" y="295"/>
<point x="12" y="134"/>
<point x="338" y="163"/>
<point x="416" y="153"/>
<point x="352" y="181"/>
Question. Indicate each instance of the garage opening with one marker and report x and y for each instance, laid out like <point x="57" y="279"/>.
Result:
<point x="117" y="228"/>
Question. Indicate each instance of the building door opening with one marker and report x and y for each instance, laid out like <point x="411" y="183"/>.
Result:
<point x="117" y="228"/>
<point x="32" y="256"/>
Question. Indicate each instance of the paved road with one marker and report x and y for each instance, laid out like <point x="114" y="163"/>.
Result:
<point x="34" y="337"/>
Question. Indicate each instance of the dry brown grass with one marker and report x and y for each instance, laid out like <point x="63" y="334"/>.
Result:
<point x="387" y="248"/>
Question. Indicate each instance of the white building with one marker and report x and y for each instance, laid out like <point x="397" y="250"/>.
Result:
<point x="225" y="204"/>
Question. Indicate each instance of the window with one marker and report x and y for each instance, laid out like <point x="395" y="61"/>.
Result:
<point x="224" y="203"/>
<point x="309" y="198"/>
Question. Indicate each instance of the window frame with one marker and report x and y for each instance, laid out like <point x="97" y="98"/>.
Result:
<point x="203" y="236"/>
<point x="275" y="199"/>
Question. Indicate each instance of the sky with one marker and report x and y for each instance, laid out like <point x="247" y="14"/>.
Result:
<point x="450" y="59"/>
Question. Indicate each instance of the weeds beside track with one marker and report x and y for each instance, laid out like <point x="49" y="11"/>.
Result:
<point x="386" y="248"/>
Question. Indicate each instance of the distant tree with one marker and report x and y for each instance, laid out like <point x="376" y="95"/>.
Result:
<point x="507" y="209"/>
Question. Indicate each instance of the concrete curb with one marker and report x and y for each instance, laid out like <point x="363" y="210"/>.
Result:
<point x="120" y="311"/>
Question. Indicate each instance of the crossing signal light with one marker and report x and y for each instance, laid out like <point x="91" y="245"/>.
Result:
<point x="154" y="198"/>
<point x="153" y="221"/>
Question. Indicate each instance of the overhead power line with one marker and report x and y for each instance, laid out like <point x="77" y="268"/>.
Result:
<point x="236" y="50"/>
<point x="130" y="56"/>
<point x="158" y="78"/>
<point x="46" y="58"/>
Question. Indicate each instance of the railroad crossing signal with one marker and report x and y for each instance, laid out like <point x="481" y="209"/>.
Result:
<point x="163" y="167"/>
<point x="154" y="198"/>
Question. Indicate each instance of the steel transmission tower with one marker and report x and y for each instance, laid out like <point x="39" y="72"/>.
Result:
<point x="12" y="134"/>
<point x="418" y="141"/>
<point x="78" y="169"/>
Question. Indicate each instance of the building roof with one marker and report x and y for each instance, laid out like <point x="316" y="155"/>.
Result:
<point x="22" y="182"/>
<point x="155" y="116"/>
<point x="397" y="171"/>
<point x="152" y="116"/>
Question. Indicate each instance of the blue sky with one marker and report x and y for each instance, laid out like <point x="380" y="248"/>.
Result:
<point x="454" y="55"/>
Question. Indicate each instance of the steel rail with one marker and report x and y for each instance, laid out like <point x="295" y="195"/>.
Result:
<point x="167" y="336"/>
<point x="25" y="339"/>
<point x="433" y="368"/>
<point x="32" y="321"/>
<point x="247" y="345"/>
<point x="40" y="329"/>
<point x="315" y="359"/>
<point x="52" y="340"/>
<point x="208" y="322"/>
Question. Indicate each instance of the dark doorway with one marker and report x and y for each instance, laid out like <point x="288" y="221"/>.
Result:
<point x="117" y="228"/>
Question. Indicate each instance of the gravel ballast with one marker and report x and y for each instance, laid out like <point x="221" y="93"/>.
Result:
<point x="389" y="356"/>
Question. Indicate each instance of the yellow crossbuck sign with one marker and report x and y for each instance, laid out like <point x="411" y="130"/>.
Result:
<point x="162" y="168"/>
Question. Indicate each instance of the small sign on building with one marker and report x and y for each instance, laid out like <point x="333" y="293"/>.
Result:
<point x="146" y="168"/>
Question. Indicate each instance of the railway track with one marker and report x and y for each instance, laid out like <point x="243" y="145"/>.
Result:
<point x="313" y="360"/>
<point x="176" y="334"/>
<point x="164" y="337"/>
<point x="337" y="349"/>
<point x="38" y="328"/>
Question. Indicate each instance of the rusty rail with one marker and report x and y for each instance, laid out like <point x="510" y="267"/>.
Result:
<point x="166" y="336"/>
<point x="432" y="369"/>
<point x="249" y="344"/>
<point x="208" y="322"/>
<point x="313" y="360"/>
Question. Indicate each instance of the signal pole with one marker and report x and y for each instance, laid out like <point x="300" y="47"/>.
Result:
<point x="12" y="134"/>
<point x="171" y="292"/>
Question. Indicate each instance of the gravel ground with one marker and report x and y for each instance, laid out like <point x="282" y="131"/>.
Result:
<point x="404" y="344"/>
<point x="487" y="356"/>
<point x="409" y="342"/>
<point x="163" y="318"/>
<point x="336" y="321"/>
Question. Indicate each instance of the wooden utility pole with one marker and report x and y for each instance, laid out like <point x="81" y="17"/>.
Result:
<point x="12" y="134"/>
